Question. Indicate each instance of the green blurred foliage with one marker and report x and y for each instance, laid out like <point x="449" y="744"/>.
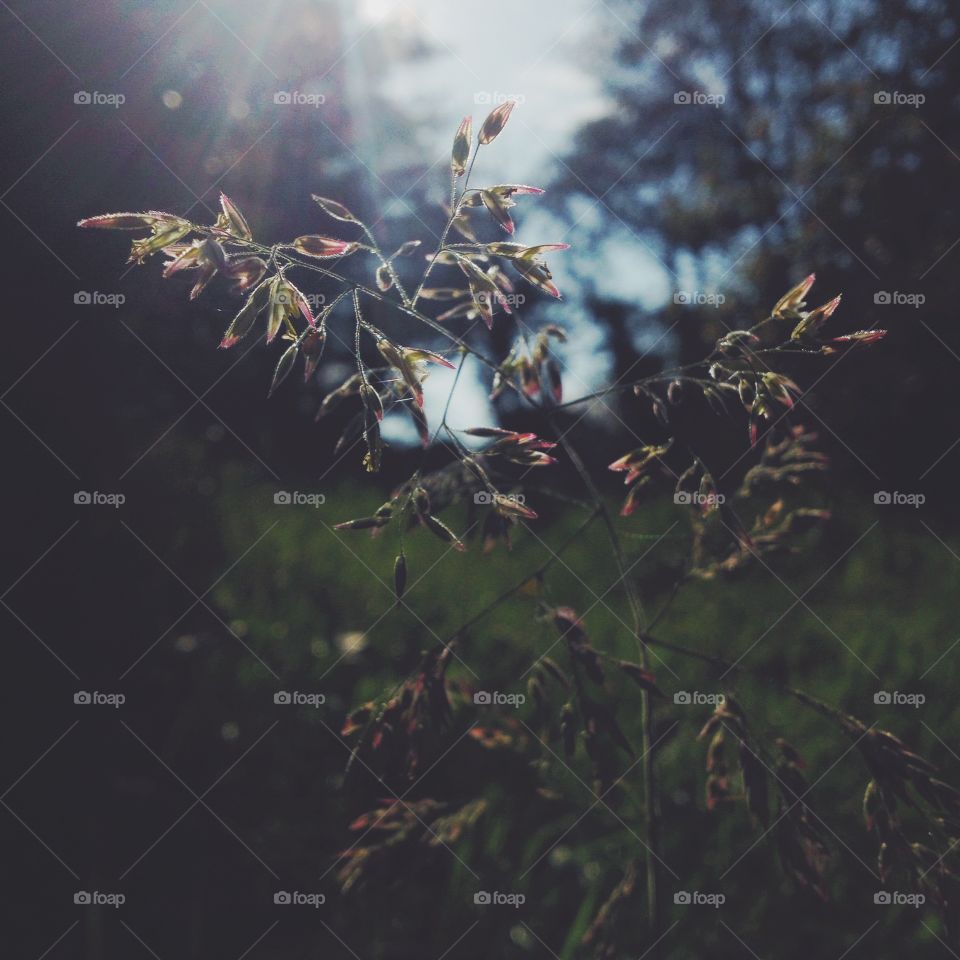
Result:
<point x="318" y="606"/>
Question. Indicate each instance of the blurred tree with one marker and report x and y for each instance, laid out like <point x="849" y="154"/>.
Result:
<point x="834" y="145"/>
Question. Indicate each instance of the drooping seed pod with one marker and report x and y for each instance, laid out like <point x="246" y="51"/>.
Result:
<point x="462" y="143"/>
<point x="642" y="678"/>
<point x="441" y="530"/>
<point x="334" y="209"/>
<point x="322" y="248"/>
<point x="400" y="575"/>
<point x="246" y="271"/>
<point x="497" y="208"/>
<point x="284" y="365"/>
<point x="384" y="278"/>
<point x="243" y="322"/>
<point x="127" y="221"/>
<point x="311" y="346"/>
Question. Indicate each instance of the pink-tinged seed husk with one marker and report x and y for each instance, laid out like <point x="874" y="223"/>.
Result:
<point x="311" y="346"/>
<point x="125" y="221"/>
<point x="235" y="219"/>
<point x="314" y="245"/>
<point x="861" y="336"/>
<point x="498" y="210"/>
<point x="535" y="251"/>
<point x="508" y="189"/>
<point x="511" y="507"/>
<point x="491" y="432"/>
<point x="811" y="322"/>
<point x="414" y="353"/>
<point x="623" y="463"/>
<point x="164" y="234"/>
<point x="247" y="271"/>
<point x="184" y="257"/>
<point x="496" y="121"/>
<point x="789" y="305"/>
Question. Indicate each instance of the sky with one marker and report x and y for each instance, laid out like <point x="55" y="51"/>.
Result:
<point x="544" y="54"/>
<point x="528" y="50"/>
